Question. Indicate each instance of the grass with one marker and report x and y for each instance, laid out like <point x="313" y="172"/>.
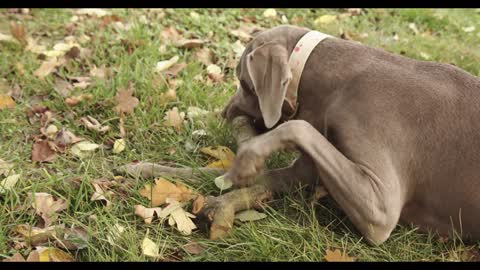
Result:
<point x="294" y="230"/>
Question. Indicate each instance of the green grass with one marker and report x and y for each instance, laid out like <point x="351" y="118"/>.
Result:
<point x="295" y="230"/>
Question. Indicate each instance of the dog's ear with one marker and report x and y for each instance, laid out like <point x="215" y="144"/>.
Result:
<point x="268" y="68"/>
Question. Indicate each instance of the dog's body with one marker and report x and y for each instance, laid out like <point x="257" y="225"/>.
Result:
<point x="391" y="138"/>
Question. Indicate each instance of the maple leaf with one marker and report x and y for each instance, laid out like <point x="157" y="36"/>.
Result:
<point x="46" y="207"/>
<point x="164" y="189"/>
<point x="337" y="256"/>
<point x="174" y="119"/>
<point x="42" y="152"/>
<point x="126" y="102"/>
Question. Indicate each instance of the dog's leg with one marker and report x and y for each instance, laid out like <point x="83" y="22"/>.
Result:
<point x="371" y="203"/>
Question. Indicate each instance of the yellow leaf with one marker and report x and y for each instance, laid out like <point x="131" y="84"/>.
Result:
<point x="164" y="189"/>
<point x="219" y="152"/>
<point x="149" y="248"/>
<point x="325" y="19"/>
<point x="118" y="146"/>
<point x="270" y="13"/>
<point x="54" y="255"/>
<point x="6" y="102"/>
<point x="337" y="256"/>
<point x="221" y="164"/>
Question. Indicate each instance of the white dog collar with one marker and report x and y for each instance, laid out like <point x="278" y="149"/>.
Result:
<point x="298" y="58"/>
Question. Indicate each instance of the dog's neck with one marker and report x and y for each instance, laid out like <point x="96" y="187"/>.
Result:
<point x="297" y="60"/>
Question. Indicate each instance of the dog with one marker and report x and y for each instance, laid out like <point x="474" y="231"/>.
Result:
<point x="392" y="139"/>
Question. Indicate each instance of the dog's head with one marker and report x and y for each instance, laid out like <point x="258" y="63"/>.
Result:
<point x="264" y="76"/>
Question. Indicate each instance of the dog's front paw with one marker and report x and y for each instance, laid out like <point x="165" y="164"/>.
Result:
<point x="249" y="163"/>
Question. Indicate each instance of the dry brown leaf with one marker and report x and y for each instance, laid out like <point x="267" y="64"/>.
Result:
<point x="198" y="204"/>
<point x="19" y="33"/>
<point x="48" y="67"/>
<point x="170" y="35"/>
<point x="47" y="207"/>
<point x="174" y="119"/>
<point x="101" y="193"/>
<point x="194" y="248"/>
<point x="126" y="102"/>
<point x="205" y="56"/>
<point x="169" y="96"/>
<point x="100" y="72"/>
<point x="65" y="138"/>
<point x="214" y="73"/>
<point x="337" y="256"/>
<point x="75" y="100"/>
<point x="175" y="69"/>
<point x="190" y="43"/>
<point x="62" y="87"/>
<point x="42" y="152"/>
<point x="17" y="257"/>
<point x="6" y="101"/>
<point x="147" y="213"/>
<point x="93" y="124"/>
<point x="164" y="189"/>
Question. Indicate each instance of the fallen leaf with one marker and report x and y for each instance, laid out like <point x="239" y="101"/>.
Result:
<point x="414" y="28"/>
<point x="149" y="248"/>
<point x="126" y="102"/>
<point x="198" y="204"/>
<point x="170" y="95"/>
<point x="223" y="183"/>
<point x="42" y="152"/>
<point x="9" y="182"/>
<point x="101" y="72"/>
<point x="325" y="19"/>
<point x="7" y="38"/>
<point x="17" y="257"/>
<point x="115" y="233"/>
<point x="238" y="48"/>
<point x="62" y="87"/>
<point x="75" y="100"/>
<point x="250" y="215"/>
<point x="69" y="238"/>
<point x="5" y="167"/>
<point x="53" y="255"/>
<point x="205" y="56"/>
<point x="194" y="248"/>
<point x="175" y="69"/>
<point x="48" y="67"/>
<point x="270" y="13"/>
<point x="50" y="132"/>
<point x="83" y="148"/>
<point x="320" y="192"/>
<point x="6" y="101"/>
<point x="214" y="73"/>
<point x="166" y="64"/>
<point x="47" y="207"/>
<point x="425" y="55"/>
<point x="65" y="138"/>
<point x="219" y="152"/>
<point x="170" y="35"/>
<point x="118" y="146"/>
<point x="177" y="216"/>
<point x="337" y="256"/>
<point x="190" y="43"/>
<point x="174" y="119"/>
<point x="18" y="32"/>
<point x="147" y="213"/>
<point x="164" y="189"/>
<point x="93" y="124"/>
<point x="100" y="193"/>
<point x="468" y="29"/>
<point x="98" y="12"/>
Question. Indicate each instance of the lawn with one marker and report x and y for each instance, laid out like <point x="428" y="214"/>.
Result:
<point x="121" y="51"/>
